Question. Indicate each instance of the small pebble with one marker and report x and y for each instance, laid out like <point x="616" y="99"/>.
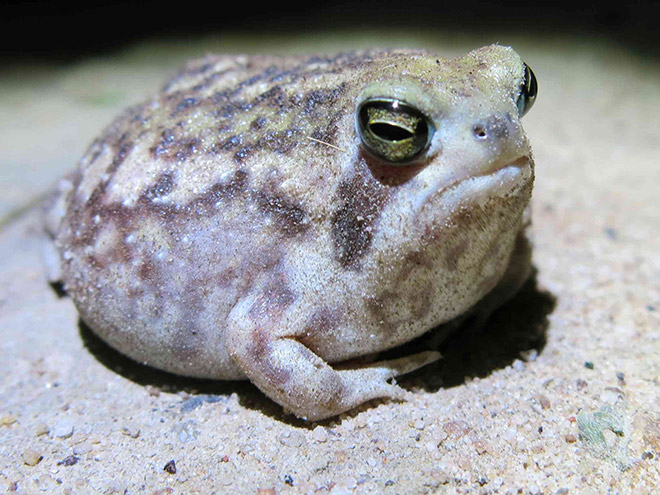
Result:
<point x="41" y="429"/>
<point x="570" y="438"/>
<point x="82" y="448"/>
<point x="152" y="390"/>
<point x="292" y="438"/>
<point x="130" y="430"/>
<point x="419" y="424"/>
<point x="610" y="396"/>
<point x="518" y="365"/>
<point x="437" y="477"/>
<point x="170" y="467"/>
<point x="543" y="401"/>
<point x="320" y="434"/>
<point x="480" y="446"/>
<point x="7" y="420"/>
<point x="77" y="438"/>
<point x="63" y="429"/>
<point x="529" y="355"/>
<point x="31" y="457"/>
<point x="456" y="428"/>
<point x="69" y="461"/>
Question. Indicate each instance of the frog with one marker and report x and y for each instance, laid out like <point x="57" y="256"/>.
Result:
<point x="283" y="219"/>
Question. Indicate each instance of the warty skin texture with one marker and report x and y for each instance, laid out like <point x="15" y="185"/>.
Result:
<point x="234" y="226"/>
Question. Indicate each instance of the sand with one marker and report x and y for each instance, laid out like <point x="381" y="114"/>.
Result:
<point x="561" y="394"/>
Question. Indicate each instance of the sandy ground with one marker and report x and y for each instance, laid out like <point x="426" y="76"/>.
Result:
<point x="561" y="395"/>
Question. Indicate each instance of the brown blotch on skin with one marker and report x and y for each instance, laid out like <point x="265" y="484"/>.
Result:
<point x="412" y="261"/>
<point x="147" y="270"/>
<point x="328" y="134"/>
<point x="454" y="255"/>
<point x="171" y="145"/>
<point x="323" y="96"/>
<point x="275" y="97"/>
<point x="163" y="145"/>
<point x="362" y="197"/>
<point x="231" y="142"/>
<point x="376" y="305"/>
<point x="323" y="322"/>
<point x="243" y="153"/>
<point x="186" y="148"/>
<point x="185" y="104"/>
<point x="122" y="149"/>
<point x="388" y="174"/>
<point x="289" y="217"/>
<point x="282" y="142"/>
<point x="163" y="186"/>
<point x="123" y="217"/>
<point x="93" y="152"/>
<point x="260" y="351"/>
<point x="273" y="300"/>
<point x="258" y="123"/>
<point x="226" y="192"/>
<point x="422" y="304"/>
<point x="229" y="190"/>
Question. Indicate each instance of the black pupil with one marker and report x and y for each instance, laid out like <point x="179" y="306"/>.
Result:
<point x="390" y="132"/>
<point x="529" y="83"/>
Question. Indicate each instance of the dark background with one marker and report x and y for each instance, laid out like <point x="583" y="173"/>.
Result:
<point x="38" y="30"/>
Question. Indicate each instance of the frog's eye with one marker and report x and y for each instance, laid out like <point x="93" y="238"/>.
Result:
<point x="393" y="130"/>
<point x="528" y="90"/>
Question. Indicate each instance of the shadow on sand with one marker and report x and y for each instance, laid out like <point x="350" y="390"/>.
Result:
<point x="518" y="326"/>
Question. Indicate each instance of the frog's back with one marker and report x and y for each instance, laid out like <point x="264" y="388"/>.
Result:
<point x="191" y="199"/>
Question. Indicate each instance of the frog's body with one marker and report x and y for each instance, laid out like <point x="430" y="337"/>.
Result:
<point x="234" y="226"/>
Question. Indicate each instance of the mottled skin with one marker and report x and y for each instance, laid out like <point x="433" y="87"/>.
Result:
<point x="234" y="227"/>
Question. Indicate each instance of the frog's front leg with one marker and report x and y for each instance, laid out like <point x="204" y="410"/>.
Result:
<point x="287" y="371"/>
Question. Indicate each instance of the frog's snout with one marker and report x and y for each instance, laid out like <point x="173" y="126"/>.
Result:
<point x="496" y="127"/>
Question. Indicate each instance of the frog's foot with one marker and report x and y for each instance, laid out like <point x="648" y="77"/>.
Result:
<point x="292" y="375"/>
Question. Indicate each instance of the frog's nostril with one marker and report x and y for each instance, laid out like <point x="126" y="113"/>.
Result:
<point x="479" y="131"/>
<point x="493" y="127"/>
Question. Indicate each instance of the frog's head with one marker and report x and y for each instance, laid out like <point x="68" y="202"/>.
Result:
<point x="442" y="145"/>
<point x="460" y="117"/>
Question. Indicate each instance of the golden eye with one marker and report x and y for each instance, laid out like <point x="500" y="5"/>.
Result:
<point x="528" y="90"/>
<point x="393" y="130"/>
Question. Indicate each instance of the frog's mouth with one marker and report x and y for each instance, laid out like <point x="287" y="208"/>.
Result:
<point x="501" y="180"/>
